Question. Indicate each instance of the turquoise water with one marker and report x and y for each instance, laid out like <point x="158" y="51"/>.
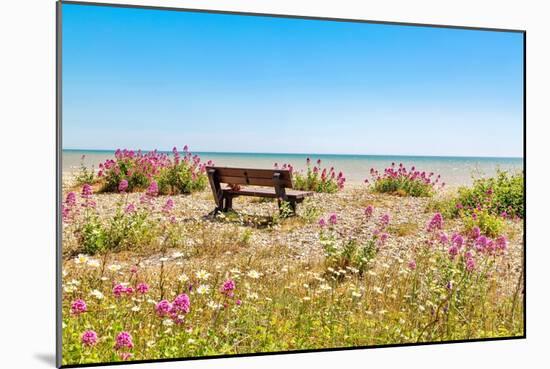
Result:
<point x="453" y="170"/>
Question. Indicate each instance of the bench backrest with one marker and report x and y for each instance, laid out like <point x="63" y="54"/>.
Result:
<point x="252" y="177"/>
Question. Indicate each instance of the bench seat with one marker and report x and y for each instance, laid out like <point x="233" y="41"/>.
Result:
<point x="266" y="192"/>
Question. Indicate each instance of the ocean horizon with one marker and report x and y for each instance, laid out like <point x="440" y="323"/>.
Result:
<point x="454" y="170"/>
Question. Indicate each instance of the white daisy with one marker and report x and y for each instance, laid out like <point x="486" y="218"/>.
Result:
<point x="97" y="294"/>
<point x="254" y="274"/>
<point x="202" y="274"/>
<point x="203" y="289"/>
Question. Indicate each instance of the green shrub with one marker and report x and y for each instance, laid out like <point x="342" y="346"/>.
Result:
<point x="181" y="178"/>
<point x="91" y="236"/>
<point x="175" y="175"/>
<point x="502" y="194"/>
<point x="489" y="224"/>
<point x="309" y="211"/>
<point x="316" y="178"/>
<point x="445" y="205"/>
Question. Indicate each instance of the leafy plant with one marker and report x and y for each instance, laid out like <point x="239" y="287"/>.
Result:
<point x="84" y="174"/>
<point x="486" y="202"/>
<point x="499" y="195"/>
<point x="92" y="236"/>
<point x="346" y="252"/>
<point x="316" y="178"/>
<point x="489" y="224"/>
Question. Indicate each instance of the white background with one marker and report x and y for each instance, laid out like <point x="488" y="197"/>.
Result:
<point x="27" y="181"/>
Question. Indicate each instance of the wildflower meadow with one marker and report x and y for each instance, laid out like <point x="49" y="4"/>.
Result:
<point x="149" y="272"/>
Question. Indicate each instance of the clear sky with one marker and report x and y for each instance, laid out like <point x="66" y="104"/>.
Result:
<point x="135" y="78"/>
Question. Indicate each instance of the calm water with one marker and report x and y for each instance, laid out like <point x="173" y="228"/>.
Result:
<point x="454" y="170"/>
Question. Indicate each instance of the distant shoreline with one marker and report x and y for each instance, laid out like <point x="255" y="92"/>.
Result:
<point x="312" y="155"/>
<point x="454" y="171"/>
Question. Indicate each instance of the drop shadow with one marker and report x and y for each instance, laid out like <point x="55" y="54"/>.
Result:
<point x="47" y="358"/>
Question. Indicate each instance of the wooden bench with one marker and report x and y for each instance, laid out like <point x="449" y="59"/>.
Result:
<point x="228" y="183"/>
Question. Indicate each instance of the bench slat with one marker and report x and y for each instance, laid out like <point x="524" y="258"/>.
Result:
<point x="255" y="176"/>
<point x="247" y="181"/>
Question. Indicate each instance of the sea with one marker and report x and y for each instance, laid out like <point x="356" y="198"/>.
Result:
<point x="454" y="170"/>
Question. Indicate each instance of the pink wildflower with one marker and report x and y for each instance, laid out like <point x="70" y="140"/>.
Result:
<point x="453" y="251"/>
<point x="385" y="220"/>
<point x="481" y="243"/>
<point x="333" y="219"/>
<point x="470" y="264"/>
<point x="70" y="200"/>
<point x="86" y="191"/>
<point x="501" y="243"/>
<point x="78" y="307"/>
<point x="125" y="355"/>
<point x="65" y="213"/>
<point x="412" y="265"/>
<point x="153" y="189"/>
<point x="457" y="240"/>
<point x="228" y="287"/>
<point x="118" y="290"/>
<point x="130" y="209"/>
<point x="142" y="288"/>
<point x="89" y="338"/>
<point x="435" y="223"/>
<point x="123" y="186"/>
<point x="168" y="206"/>
<point x="322" y="223"/>
<point x="163" y="307"/>
<point x="181" y="304"/>
<point x="443" y="238"/>
<point x="476" y="232"/>
<point x="124" y="340"/>
<point x="369" y="210"/>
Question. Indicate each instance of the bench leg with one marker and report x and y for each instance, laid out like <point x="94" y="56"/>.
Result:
<point x="228" y="203"/>
<point x="293" y="206"/>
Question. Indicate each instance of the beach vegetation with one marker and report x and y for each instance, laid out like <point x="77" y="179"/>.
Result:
<point x="487" y="204"/>
<point x="400" y="181"/>
<point x="309" y="210"/>
<point x="147" y="276"/>
<point x="132" y="226"/>
<point x="450" y="288"/>
<point x="403" y="229"/>
<point x="84" y="174"/>
<point x="488" y="223"/>
<point x="316" y="177"/>
<point x="133" y="171"/>
<point x="501" y="195"/>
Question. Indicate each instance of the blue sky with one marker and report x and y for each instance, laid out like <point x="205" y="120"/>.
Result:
<point x="149" y="79"/>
